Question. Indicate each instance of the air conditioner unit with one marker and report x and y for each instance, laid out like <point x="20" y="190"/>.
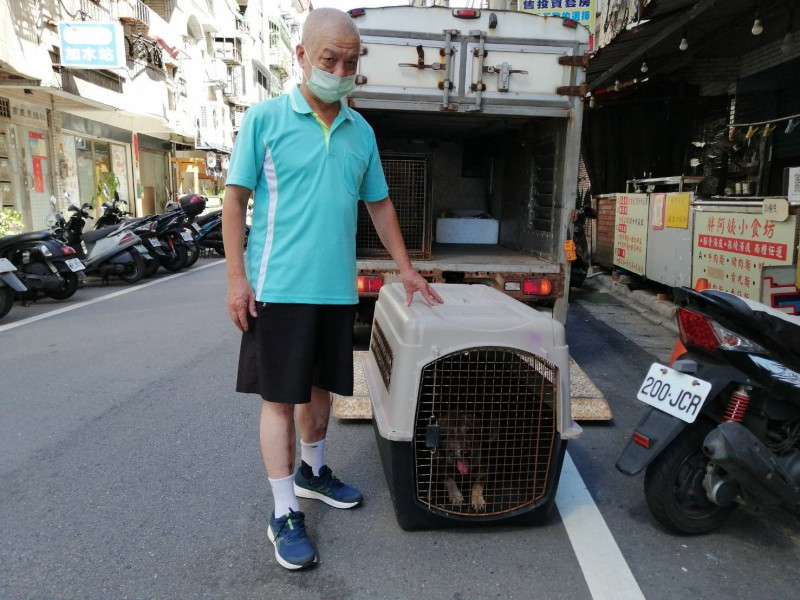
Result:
<point x="471" y="406"/>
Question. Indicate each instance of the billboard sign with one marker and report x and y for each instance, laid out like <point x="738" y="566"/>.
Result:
<point x="87" y="45"/>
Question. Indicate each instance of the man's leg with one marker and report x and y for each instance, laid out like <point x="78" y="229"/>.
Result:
<point x="312" y="420"/>
<point x="293" y="549"/>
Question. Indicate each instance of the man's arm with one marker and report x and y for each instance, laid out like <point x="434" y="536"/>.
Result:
<point x="241" y="298"/>
<point x="384" y="218"/>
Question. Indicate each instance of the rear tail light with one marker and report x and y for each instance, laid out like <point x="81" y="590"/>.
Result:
<point x="571" y="23"/>
<point x="697" y="330"/>
<point x="369" y="283"/>
<point x="466" y="13"/>
<point x="127" y="239"/>
<point x="537" y="287"/>
<point x="68" y="250"/>
<point x="701" y="331"/>
<point x="356" y="12"/>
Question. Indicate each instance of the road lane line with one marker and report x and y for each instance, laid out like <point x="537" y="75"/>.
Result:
<point x="606" y="572"/>
<point x="59" y="311"/>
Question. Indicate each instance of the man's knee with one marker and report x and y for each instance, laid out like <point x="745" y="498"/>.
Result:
<point x="277" y="410"/>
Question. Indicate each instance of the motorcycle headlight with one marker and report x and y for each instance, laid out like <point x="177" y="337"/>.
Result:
<point x="44" y="250"/>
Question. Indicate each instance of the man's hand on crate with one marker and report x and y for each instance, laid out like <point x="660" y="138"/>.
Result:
<point x="414" y="282"/>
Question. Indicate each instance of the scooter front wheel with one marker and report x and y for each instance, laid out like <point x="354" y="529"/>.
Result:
<point x="673" y="485"/>
<point x="133" y="272"/>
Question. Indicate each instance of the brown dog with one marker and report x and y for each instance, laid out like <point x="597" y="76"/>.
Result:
<point x="462" y="450"/>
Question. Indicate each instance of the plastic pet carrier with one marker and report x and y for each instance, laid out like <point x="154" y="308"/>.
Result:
<point x="471" y="406"/>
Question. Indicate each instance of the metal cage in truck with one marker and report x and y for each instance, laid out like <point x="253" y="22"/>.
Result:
<point x="478" y="116"/>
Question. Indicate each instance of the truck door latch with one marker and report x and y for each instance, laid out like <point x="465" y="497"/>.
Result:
<point x="420" y="64"/>
<point x="503" y="72"/>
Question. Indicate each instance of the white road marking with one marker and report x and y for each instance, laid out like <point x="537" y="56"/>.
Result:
<point x="606" y="572"/>
<point x="128" y="290"/>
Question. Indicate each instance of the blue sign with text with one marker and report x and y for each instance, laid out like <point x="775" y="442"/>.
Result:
<point x="92" y="45"/>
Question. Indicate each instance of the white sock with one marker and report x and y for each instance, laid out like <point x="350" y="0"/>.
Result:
<point x="313" y="455"/>
<point x="284" y="496"/>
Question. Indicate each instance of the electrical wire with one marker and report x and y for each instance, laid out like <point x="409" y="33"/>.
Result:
<point x="769" y="122"/>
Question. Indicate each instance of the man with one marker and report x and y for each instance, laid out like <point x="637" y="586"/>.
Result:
<point x="310" y="159"/>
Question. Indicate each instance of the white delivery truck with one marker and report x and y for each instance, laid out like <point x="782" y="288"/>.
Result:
<point x="478" y="120"/>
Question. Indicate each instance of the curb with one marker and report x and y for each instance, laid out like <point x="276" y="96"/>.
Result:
<point x="646" y="303"/>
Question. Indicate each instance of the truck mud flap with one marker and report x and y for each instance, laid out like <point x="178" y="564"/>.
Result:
<point x="660" y="429"/>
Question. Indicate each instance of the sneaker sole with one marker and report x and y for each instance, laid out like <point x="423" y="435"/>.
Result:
<point x="301" y="492"/>
<point x="284" y="563"/>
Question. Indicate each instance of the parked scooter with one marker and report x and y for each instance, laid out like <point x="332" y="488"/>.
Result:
<point x="44" y="263"/>
<point x="723" y="427"/>
<point x="208" y="227"/>
<point x="9" y="285"/>
<point x="579" y="268"/>
<point x="108" y="251"/>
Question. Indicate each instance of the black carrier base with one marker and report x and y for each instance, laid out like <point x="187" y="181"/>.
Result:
<point x="398" y="466"/>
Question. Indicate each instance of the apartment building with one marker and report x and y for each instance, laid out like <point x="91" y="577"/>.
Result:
<point x="141" y="97"/>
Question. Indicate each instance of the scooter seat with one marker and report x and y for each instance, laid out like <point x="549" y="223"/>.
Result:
<point x="203" y="219"/>
<point x="98" y="234"/>
<point x="31" y="236"/>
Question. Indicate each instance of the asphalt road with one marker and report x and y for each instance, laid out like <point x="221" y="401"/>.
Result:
<point x="130" y="469"/>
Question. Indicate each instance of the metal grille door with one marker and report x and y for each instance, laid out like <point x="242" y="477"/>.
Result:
<point x="409" y="189"/>
<point x="484" y="432"/>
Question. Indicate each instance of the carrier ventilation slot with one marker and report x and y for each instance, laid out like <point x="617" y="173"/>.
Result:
<point x="408" y="180"/>
<point x="383" y="353"/>
<point x="494" y="418"/>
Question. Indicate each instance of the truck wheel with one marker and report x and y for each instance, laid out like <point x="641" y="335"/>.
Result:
<point x="134" y="272"/>
<point x="69" y="285"/>
<point x="673" y="485"/>
<point x="6" y="300"/>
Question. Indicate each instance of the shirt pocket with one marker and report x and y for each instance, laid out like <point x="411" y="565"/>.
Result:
<point x="355" y="166"/>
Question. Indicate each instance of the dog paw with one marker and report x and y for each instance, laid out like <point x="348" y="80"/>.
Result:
<point x="478" y="501"/>
<point x="456" y="499"/>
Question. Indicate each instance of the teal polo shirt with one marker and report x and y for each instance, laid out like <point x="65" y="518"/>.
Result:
<point x="308" y="180"/>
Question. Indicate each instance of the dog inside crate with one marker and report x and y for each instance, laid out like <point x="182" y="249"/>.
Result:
<point x="485" y="431"/>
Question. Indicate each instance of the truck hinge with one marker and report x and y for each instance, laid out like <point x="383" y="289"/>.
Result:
<point x="572" y="90"/>
<point x="581" y="60"/>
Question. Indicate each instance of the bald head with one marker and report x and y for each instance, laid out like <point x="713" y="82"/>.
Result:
<point x="324" y="23"/>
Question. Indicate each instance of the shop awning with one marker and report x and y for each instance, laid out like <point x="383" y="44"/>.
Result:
<point x="673" y="35"/>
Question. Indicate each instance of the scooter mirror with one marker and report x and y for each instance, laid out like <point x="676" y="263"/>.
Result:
<point x="52" y="201"/>
<point x="86" y="206"/>
<point x="116" y="196"/>
<point x="72" y="207"/>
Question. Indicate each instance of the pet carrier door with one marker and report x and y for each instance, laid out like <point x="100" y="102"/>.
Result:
<point x="485" y="431"/>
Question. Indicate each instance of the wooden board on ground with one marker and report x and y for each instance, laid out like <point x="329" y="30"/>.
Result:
<point x="588" y="403"/>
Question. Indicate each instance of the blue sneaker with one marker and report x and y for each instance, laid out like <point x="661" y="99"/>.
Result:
<point x="325" y="487"/>
<point x="293" y="549"/>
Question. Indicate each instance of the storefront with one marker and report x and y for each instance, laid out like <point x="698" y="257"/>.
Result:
<point x="95" y="161"/>
<point x="26" y="170"/>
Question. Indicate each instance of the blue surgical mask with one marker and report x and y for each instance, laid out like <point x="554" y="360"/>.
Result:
<point x="329" y="88"/>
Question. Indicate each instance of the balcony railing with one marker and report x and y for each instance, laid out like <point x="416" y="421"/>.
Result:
<point x="133" y="11"/>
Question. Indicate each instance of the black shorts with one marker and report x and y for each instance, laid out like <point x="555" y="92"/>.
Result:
<point x="290" y="347"/>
